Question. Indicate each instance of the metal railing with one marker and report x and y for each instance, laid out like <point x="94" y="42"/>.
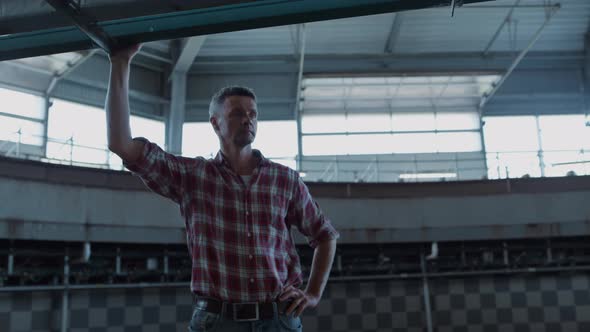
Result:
<point x="342" y="168"/>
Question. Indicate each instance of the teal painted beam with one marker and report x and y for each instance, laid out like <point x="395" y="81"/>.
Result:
<point x="179" y="24"/>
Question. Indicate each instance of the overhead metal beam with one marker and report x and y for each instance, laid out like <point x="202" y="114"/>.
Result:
<point x="387" y="64"/>
<point x="393" y="35"/>
<point x="190" y="47"/>
<point x="487" y="97"/>
<point x="298" y="113"/>
<point x="174" y="24"/>
<point x="85" y="23"/>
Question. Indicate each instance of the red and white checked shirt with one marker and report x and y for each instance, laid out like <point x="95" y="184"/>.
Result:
<point x="238" y="234"/>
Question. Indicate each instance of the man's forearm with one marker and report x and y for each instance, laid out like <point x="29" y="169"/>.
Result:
<point x="117" y="106"/>
<point x="323" y="257"/>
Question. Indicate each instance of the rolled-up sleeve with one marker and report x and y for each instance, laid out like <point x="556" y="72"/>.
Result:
<point x="305" y="213"/>
<point x="162" y="172"/>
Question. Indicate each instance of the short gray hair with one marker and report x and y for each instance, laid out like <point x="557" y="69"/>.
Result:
<point x="220" y="96"/>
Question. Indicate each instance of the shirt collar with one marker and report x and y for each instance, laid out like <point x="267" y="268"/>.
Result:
<point x="221" y="160"/>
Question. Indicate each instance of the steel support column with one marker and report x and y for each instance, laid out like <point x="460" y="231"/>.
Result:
<point x="298" y="115"/>
<point x="177" y="113"/>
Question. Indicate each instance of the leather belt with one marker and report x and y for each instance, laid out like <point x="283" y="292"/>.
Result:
<point x="240" y="312"/>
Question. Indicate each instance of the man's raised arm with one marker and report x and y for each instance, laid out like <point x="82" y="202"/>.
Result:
<point x="117" y="107"/>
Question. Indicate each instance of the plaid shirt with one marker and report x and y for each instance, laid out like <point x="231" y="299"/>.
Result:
<point x="238" y="234"/>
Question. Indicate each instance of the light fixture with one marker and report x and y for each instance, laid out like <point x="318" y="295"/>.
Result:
<point x="427" y="175"/>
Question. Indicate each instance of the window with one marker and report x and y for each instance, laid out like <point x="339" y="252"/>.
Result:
<point x="458" y="142"/>
<point x="553" y="145"/>
<point x="31" y="132"/>
<point x="323" y="123"/>
<point x="283" y="150"/>
<point x="199" y="140"/>
<point x="457" y="121"/>
<point x="406" y="137"/>
<point x="512" y="146"/>
<point x="566" y="144"/>
<point x="562" y="163"/>
<point x="406" y="114"/>
<point x="413" y="122"/>
<point x="22" y="104"/>
<point x="414" y="143"/>
<point x="78" y="132"/>
<point x="564" y="132"/>
<point x="513" y="165"/>
<point x="511" y="133"/>
<point x="26" y="126"/>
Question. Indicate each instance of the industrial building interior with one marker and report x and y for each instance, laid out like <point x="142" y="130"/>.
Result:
<point x="447" y="141"/>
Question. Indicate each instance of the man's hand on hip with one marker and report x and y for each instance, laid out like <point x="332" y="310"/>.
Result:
<point x="301" y="300"/>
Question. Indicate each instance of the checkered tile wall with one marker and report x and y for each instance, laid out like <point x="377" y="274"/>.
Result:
<point x="505" y="303"/>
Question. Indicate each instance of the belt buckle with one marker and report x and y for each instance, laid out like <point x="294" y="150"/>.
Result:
<point x="235" y="312"/>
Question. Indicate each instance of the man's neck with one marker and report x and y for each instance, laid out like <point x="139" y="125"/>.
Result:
<point x="241" y="161"/>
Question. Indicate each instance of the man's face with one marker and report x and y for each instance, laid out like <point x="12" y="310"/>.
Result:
<point x="237" y="122"/>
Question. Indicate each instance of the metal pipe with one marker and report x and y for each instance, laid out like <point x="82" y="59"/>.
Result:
<point x="21" y="117"/>
<point x="10" y="264"/>
<point x="504" y="6"/>
<point x="298" y="115"/>
<point x="47" y="105"/>
<point x="18" y="143"/>
<point x="486" y="98"/>
<point x="540" y="152"/>
<point x="426" y="294"/>
<point x="64" y="299"/>
<point x="166" y="271"/>
<point x="402" y="276"/>
<point x="392" y="132"/>
<point x="483" y="148"/>
<point x="118" y="262"/>
<point x="505" y="247"/>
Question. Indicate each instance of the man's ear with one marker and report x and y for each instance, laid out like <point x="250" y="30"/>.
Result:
<point x="213" y="121"/>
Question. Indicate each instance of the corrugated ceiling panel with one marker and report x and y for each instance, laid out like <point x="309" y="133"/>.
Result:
<point x="366" y="34"/>
<point x="434" y="31"/>
<point x="268" y="41"/>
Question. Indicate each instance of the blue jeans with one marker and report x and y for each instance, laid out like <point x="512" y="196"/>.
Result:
<point x="203" y="321"/>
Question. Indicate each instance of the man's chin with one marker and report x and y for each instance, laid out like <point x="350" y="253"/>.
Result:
<point x="244" y="142"/>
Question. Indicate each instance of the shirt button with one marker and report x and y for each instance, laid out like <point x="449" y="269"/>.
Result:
<point x="247" y="213"/>
<point x="249" y="234"/>
<point x="250" y="256"/>
<point x="251" y="280"/>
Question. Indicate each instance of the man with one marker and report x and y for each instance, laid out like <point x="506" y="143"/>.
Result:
<point x="238" y="210"/>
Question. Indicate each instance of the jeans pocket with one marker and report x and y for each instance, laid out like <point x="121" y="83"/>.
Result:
<point x="289" y="322"/>
<point x="203" y="321"/>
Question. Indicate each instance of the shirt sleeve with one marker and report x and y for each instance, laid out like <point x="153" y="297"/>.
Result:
<point x="305" y="213"/>
<point x="162" y="172"/>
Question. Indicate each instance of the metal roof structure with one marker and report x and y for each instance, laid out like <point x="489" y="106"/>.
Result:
<point x="486" y="38"/>
<point x="54" y="26"/>
<point x="425" y="31"/>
